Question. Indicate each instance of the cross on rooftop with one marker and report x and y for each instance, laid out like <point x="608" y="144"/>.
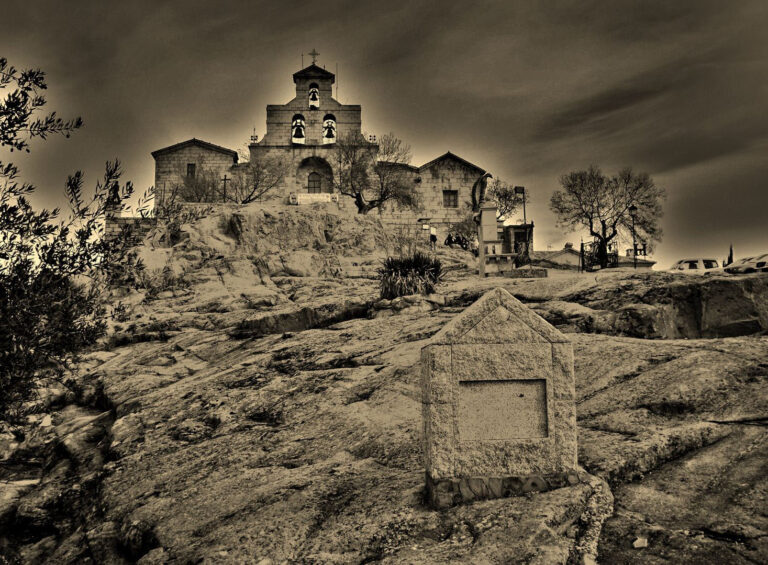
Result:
<point x="314" y="55"/>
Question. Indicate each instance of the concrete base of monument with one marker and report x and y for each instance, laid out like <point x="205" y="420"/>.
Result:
<point x="526" y="273"/>
<point x="444" y="493"/>
<point x="521" y="273"/>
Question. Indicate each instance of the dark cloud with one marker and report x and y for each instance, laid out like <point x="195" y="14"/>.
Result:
<point x="526" y="89"/>
<point x="589" y="115"/>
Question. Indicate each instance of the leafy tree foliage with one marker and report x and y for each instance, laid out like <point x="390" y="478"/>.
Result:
<point x="603" y="206"/>
<point x="45" y="315"/>
<point x="497" y="191"/>
<point x="507" y="202"/>
<point x="18" y="124"/>
<point x="373" y="174"/>
<point x="467" y="227"/>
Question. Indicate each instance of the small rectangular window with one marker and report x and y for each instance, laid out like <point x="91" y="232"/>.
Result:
<point x="191" y="170"/>
<point x="710" y="264"/>
<point x="450" y="199"/>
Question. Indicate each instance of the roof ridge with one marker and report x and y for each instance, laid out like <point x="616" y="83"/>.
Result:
<point x="450" y="154"/>
<point x="196" y="141"/>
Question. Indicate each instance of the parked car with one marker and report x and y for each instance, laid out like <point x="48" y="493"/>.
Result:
<point x="694" y="266"/>
<point x="749" y="265"/>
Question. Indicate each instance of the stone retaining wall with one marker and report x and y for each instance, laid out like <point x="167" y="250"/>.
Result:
<point x="137" y="228"/>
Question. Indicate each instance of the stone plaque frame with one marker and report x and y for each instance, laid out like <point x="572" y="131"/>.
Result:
<point x="496" y="339"/>
<point x="506" y="418"/>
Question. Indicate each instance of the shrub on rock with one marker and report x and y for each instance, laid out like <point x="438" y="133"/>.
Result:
<point x="415" y="274"/>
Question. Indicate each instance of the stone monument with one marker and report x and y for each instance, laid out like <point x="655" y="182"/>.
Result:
<point x="498" y="404"/>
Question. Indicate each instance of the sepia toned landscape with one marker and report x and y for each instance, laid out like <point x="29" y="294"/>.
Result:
<point x="529" y="327"/>
<point x="256" y="410"/>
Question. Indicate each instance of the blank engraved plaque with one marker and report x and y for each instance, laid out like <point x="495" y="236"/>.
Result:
<point x="502" y="409"/>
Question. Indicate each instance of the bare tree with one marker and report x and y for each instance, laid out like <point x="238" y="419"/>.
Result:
<point x="256" y="179"/>
<point x="605" y="205"/>
<point x="204" y="185"/>
<point x="248" y="182"/>
<point x="371" y="174"/>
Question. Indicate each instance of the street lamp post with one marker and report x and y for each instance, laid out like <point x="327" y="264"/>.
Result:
<point x="632" y="214"/>
<point x="520" y="191"/>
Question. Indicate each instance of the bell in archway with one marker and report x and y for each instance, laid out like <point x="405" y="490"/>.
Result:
<point x="314" y="97"/>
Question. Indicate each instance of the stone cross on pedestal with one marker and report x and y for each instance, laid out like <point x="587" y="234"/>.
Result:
<point x="224" y="181"/>
<point x="498" y="404"/>
<point x="487" y="235"/>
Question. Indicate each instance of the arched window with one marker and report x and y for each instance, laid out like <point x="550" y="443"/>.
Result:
<point x="329" y="129"/>
<point x="314" y="95"/>
<point x="298" y="127"/>
<point x="314" y="183"/>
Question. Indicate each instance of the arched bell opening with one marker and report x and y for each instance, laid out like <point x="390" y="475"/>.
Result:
<point x="298" y="129"/>
<point x="329" y="129"/>
<point x="314" y="95"/>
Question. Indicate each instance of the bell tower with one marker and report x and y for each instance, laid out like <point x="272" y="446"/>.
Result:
<point x="312" y="120"/>
<point x="314" y="84"/>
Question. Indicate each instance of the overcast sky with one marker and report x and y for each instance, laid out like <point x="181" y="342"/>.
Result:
<point x="526" y="90"/>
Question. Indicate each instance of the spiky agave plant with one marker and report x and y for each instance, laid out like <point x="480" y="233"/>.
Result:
<point x="414" y="274"/>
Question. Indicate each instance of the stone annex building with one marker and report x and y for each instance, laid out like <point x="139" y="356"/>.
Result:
<point x="303" y="132"/>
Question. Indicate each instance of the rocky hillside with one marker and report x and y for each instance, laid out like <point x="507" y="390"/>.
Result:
<point x="256" y="407"/>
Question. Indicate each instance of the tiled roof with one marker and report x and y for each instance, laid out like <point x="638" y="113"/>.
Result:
<point x="401" y="165"/>
<point x="313" y="71"/>
<point x="198" y="143"/>
<point x="450" y="155"/>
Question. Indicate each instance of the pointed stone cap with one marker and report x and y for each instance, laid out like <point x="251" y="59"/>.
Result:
<point x="497" y="317"/>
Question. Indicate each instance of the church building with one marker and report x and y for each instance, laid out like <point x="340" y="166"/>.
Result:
<point x="303" y="134"/>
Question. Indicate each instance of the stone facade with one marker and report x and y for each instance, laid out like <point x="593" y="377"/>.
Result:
<point x="498" y="404"/>
<point x="444" y="184"/>
<point x="171" y="163"/>
<point x="280" y="116"/>
<point x="136" y="228"/>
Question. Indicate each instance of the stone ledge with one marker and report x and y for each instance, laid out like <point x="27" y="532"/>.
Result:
<point x="444" y="493"/>
<point x="521" y="273"/>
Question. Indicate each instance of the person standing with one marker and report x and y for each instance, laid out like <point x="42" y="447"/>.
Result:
<point x="432" y="237"/>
